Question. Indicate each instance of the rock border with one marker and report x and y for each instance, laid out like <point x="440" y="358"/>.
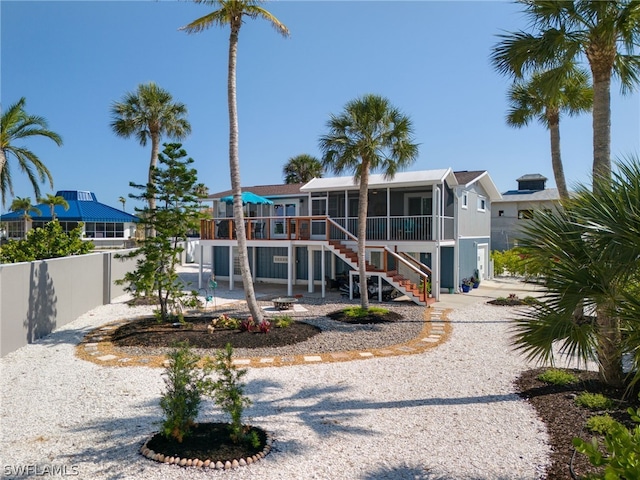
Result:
<point x="208" y="463"/>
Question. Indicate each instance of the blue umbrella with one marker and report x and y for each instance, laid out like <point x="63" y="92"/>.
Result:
<point x="248" y="197"/>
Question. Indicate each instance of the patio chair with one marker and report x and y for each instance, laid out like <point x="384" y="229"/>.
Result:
<point x="258" y="231"/>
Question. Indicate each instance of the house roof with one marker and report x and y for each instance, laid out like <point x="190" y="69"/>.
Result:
<point x="531" y="176"/>
<point x="83" y="207"/>
<point x="401" y="179"/>
<point x="548" y="194"/>
<point x="282" y="190"/>
<point x="468" y="177"/>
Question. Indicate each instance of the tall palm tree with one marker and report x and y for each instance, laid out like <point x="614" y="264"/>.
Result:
<point x="231" y="13"/>
<point x="24" y="204"/>
<point x="593" y="254"/>
<point x="16" y="124"/>
<point x="52" y="201"/>
<point x="607" y="33"/>
<point x="302" y="168"/>
<point x="150" y="114"/>
<point x="544" y="98"/>
<point x="122" y="200"/>
<point x="370" y="134"/>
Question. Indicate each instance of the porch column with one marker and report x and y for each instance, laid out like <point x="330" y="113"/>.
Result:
<point x="388" y="213"/>
<point x="322" y="272"/>
<point x="310" y="270"/>
<point x="290" y="270"/>
<point x="200" y="260"/>
<point x="231" y="282"/>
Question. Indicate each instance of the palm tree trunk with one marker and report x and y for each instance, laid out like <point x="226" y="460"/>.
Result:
<point x="556" y="159"/>
<point x="153" y="162"/>
<point x="609" y="339"/>
<point x="601" y="121"/>
<point x="236" y="185"/>
<point x="362" y="233"/>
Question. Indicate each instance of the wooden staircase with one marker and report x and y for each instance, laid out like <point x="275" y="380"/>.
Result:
<point x="393" y="277"/>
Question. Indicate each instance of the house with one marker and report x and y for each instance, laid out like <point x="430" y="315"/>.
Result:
<point x="517" y="206"/>
<point x="105" y="226"/>
<point x="424" y="227"/>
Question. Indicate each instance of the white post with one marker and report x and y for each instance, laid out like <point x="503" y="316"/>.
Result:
<point x="290" y="271"/>
<point x="231" y="267"/>
<point x="310" y="270"/>
<point x="322" y="272"/>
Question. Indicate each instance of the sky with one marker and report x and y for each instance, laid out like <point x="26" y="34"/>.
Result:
<point x="72" y="60"/>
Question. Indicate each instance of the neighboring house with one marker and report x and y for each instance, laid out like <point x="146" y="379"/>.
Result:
<point x="434" y="222"/>
<point x="518" y="206"/>
<point x="105" y="226"/>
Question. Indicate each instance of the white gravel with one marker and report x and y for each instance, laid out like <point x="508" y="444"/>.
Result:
<point x="448" y="413"/>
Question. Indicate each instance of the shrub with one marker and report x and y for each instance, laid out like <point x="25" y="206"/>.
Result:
<point x="225" y="321"/>
<point x="601" y="424"/>
<point x="359" y="312"/>
<point x="594" y="401"/>
<point x="623" y="448"/>
<point x="185" y="387"/>
<point x="229" y="394"/>
<point x="250" y="325"/>
<point x="557" y="377"/>
<point x="282" y="321"/>
<point x="49" y="241"/>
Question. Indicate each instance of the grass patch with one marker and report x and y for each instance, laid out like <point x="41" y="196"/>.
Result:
<point x="359" y="312"/>
<point x="594" y="401"/>
<point x="557" y="377"/>
<point x="601" y="424"/>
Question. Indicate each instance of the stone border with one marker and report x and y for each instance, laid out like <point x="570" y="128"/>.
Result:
<point x="95" y="347"/>
<point x="208" y="463"/>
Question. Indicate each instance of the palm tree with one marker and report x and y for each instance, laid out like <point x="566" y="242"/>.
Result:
<point x="302" y="168"/>
<point x="594" y="255"/>
<point x="605" y="32"/>
<point x="231" y="12"/>
<point x="369" y="135"/>
<point x="544" y="98"/>
<point x="24" y="204"/>
<point x="52" y="201"/>
<point x="150" y="113"/>
<point x="122" y="200"/>
<point x="16" y="124"/>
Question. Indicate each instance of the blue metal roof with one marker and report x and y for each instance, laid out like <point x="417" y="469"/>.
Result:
<point x="83" y="207"/>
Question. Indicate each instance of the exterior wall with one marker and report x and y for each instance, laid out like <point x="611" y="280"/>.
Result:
<point x="468" y="255"/>
<point x="505" y="228"/>
<point x="473" y="222"/>
<point x="38" y="297"/>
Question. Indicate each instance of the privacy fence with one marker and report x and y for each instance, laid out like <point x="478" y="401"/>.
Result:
<point x="38" y="297"/>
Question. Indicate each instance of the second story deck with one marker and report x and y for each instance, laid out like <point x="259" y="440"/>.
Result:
<point x="417" y="228"/>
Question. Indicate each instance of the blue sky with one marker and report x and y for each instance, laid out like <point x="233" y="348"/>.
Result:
<point x="73" y="59"/>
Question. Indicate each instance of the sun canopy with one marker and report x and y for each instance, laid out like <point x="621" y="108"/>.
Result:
<point x="248" y="197"/>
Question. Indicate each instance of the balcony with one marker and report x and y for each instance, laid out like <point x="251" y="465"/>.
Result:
<point x="403" y="228"/>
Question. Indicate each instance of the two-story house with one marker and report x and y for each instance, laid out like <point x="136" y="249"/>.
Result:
<point x="515" y="207"/>
<point x="428" y="227"/>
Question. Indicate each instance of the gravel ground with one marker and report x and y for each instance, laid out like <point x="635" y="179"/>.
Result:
<point x="447" y="413"/>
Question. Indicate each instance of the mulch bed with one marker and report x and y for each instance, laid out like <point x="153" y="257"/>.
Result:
<point x="556" y="407"/>
<point x="148" y="332"/>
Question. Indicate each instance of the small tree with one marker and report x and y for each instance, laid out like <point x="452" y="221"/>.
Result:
<point x="175" y="193"/>
<point x="228" y="393"/>
<point x="186" y="384"/>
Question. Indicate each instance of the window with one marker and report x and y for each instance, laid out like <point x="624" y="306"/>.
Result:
<point x="104" y="230"/>
<point x="482" y="204"/>
<point x="465" y="200"/>
<point x="525" y="214"/>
